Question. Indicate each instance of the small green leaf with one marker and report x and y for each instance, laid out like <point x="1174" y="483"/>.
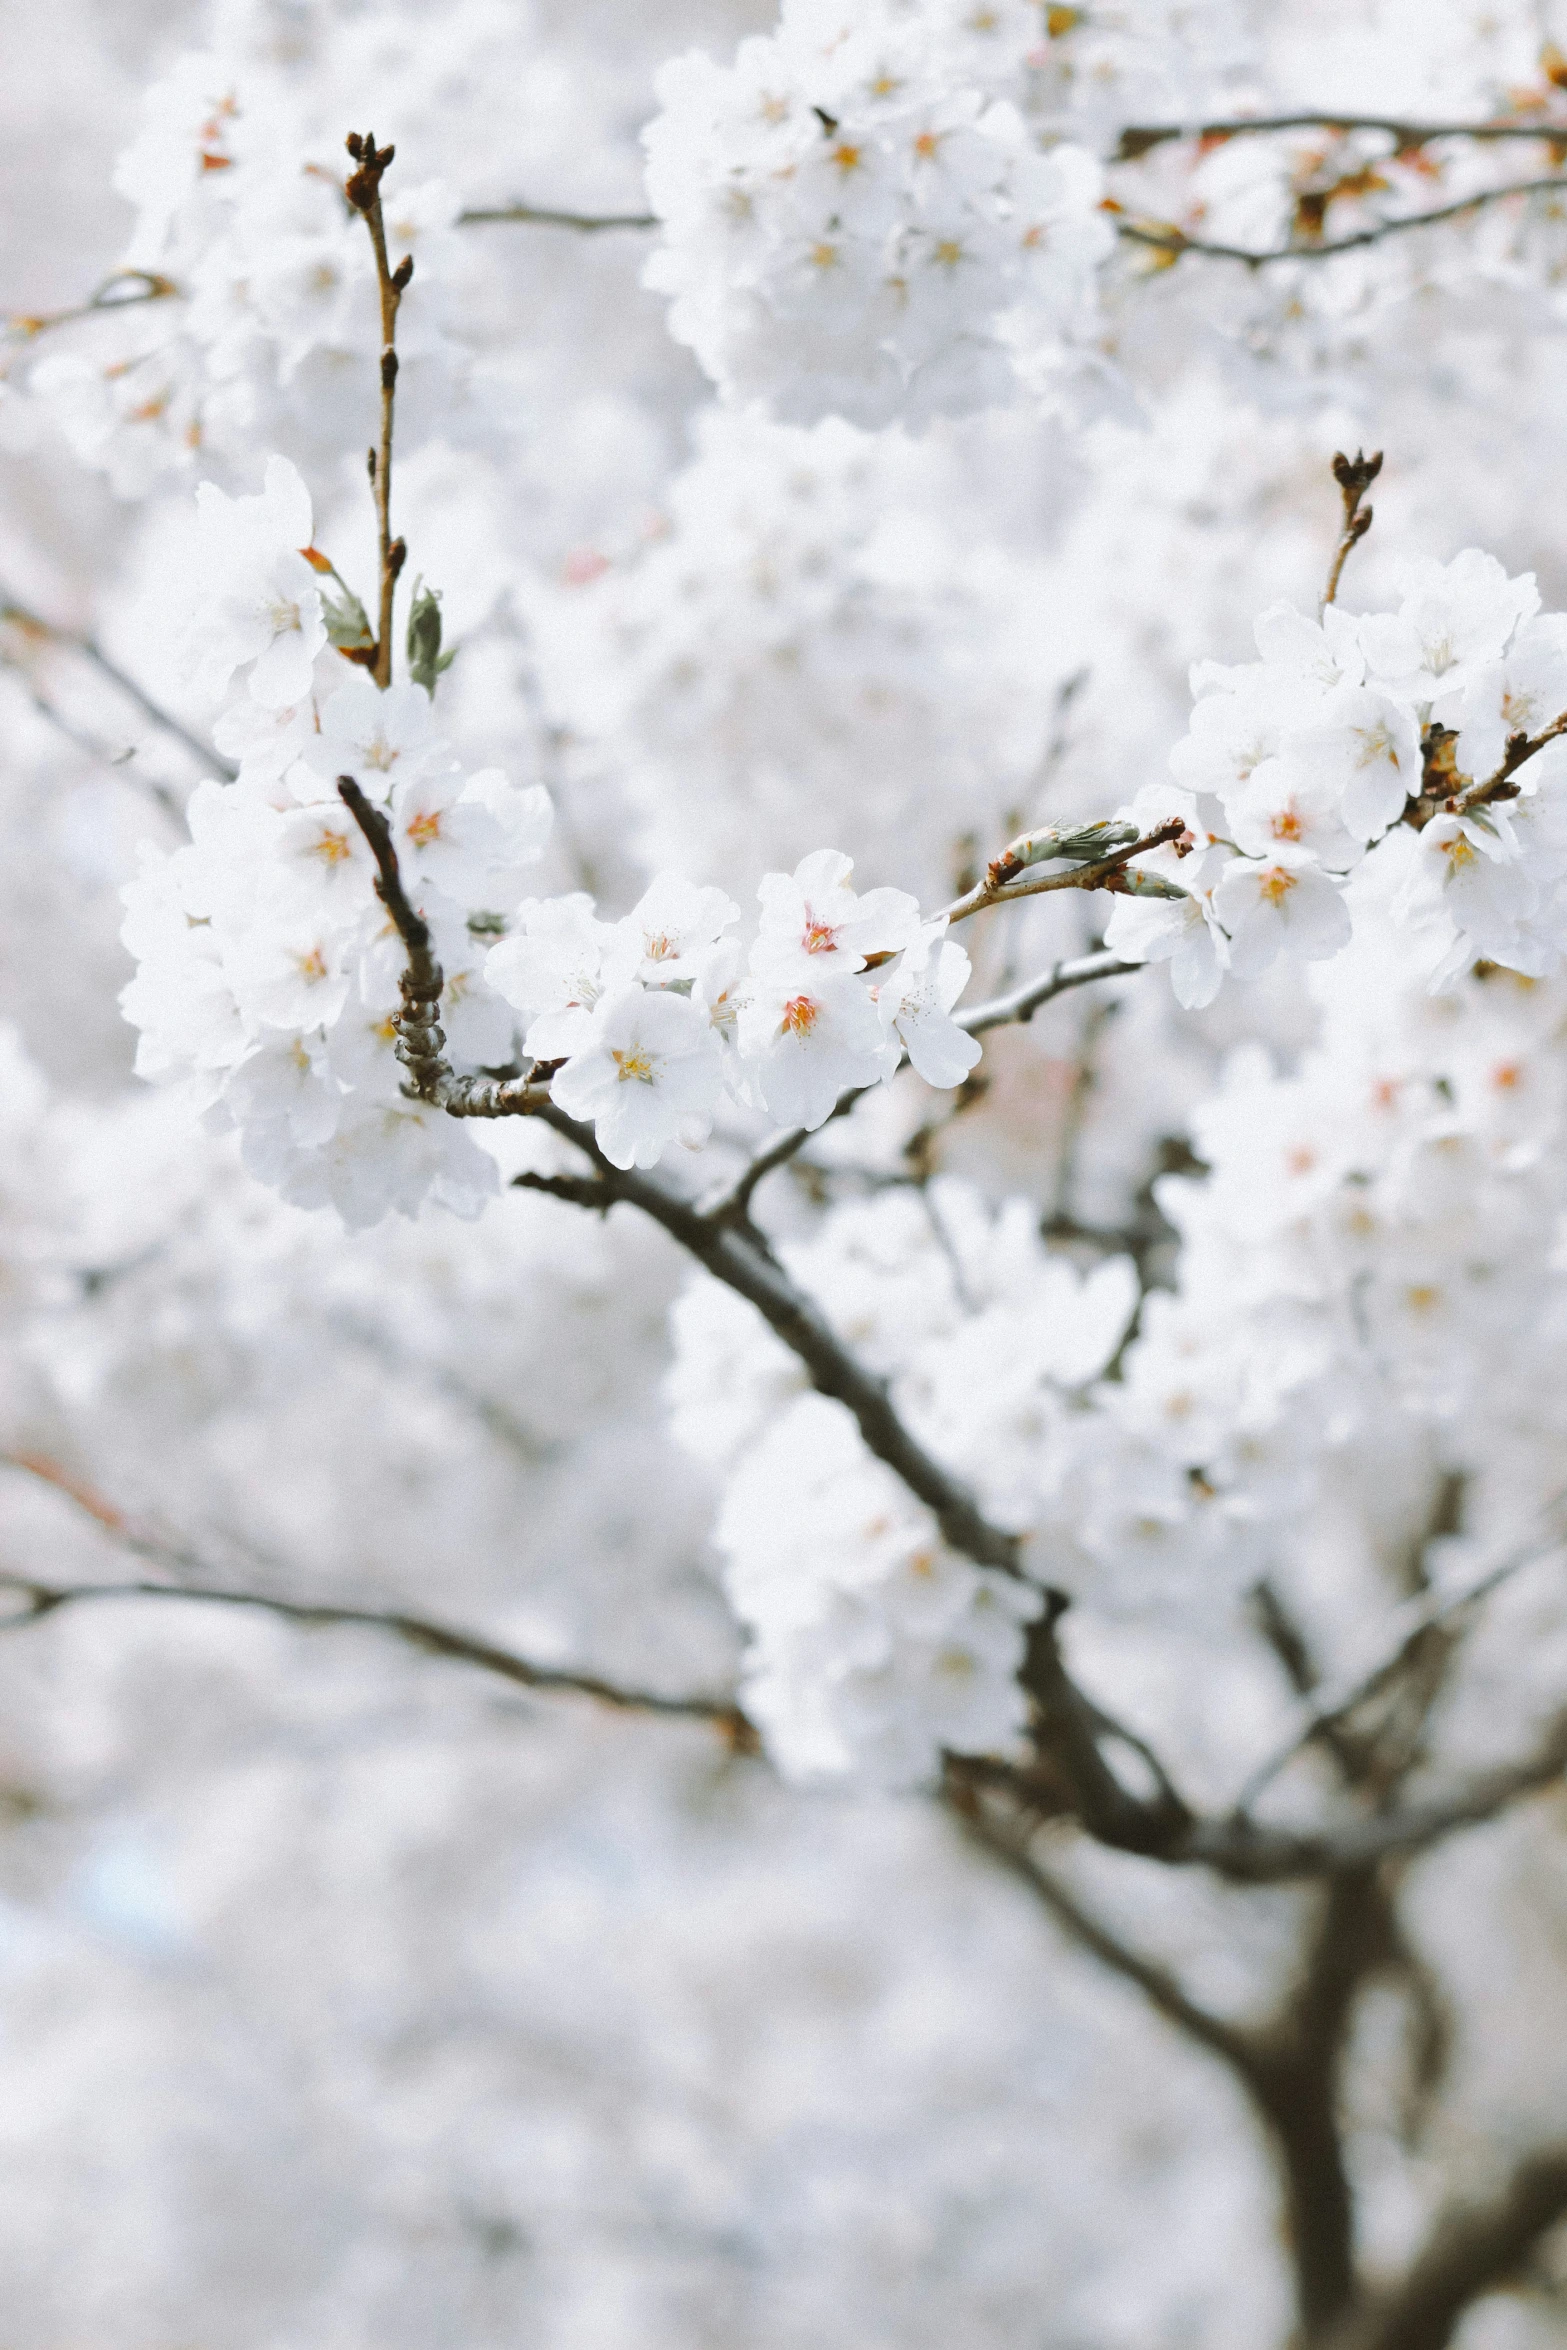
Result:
<point x="425" y="658"/>
<point x="347" y="622"/>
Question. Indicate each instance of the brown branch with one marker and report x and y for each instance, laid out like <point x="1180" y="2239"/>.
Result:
<point x="1328" y="1708"/>
<point x="1000" y="887"/>
<point x="420" y="1632"/>
<point x="1010" y="1843"/>
<point x="431" y="1078"/>
<point x="1175" y="242"/>
<point x="1499" y="785"/>
<point x="544" y="216"/>
<point x="754" y="1274"/>
<point x="1471" y="2252"/>
<point x="31" y="624"/>
<point x="145" y="286"/>
<point x="363" y="191"/>
<point x="1354" y="476"/>
<point x="1140" y="139"/>
<point x="434" y="1639"/>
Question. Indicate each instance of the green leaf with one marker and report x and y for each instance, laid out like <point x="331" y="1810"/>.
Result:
<point x="347" y="622"/>
<point x="425" y="658"/>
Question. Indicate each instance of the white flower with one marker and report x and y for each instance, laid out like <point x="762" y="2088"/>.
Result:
<point x="291" y="974"/>
<point x="1316" y="654"/>
<point x="1453" y="618"/>
<point x="1366" y="750"/>
<point x="380" y="739"/>
<point x="1291" y="804"/>
<point x="1485" y="887"/>
<point x="813" y="923"/>
<point x="648" y="1072"/>
<point x="1179" y="931"/>
<point x="447" y="835"/>
<point x="804" y="1038"/>
<point x="914" y="1001"/>
<point x="669" y="934"/>
<point x="286" y="1083"/>
<point x="1284" y="904"/>
<point x="549" y="968"/>
<point x="259" y="602"/>
<point x="1520" y="694"/>
<point x="264" y="743"/>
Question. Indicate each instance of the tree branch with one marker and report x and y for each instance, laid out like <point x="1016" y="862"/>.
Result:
<point x="420" y="1632"/>
<point x="1158" y="1986"/>
<point x="1139" y="139"/>
<point x="1354" y="476"/>
<point x="1326" y="1709"/>
<point x="545" y="216"/>
<point x="21" y="617"/>
<point x="733" y="1204"/>
<point x="363" y="191"/>
<point x="1074" y="1732"/>
<point x="419" y="1037"/>
<point x="755" y="1275"/>
<point x="1000" y="887"/>
<point x="1175" y="242"/>
<point x="143" y="285"/>
<point x="1470" y="2253"/>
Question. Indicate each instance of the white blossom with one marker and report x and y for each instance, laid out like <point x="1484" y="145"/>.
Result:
<point x="647" y="1071"/>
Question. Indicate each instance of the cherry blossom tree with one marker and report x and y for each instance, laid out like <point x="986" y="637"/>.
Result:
<point x="783" y="1528"/>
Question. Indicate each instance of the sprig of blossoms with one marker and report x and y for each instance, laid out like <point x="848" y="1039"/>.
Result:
<point x="651" y="1017"/>
<point x="1380" y="739"/>
<point x="268" y="973"/>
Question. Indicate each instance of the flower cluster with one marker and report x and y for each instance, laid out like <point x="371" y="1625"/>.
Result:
<point x="847" y="230"/>
<point x="269" y="971"/>
<point x="1380" y="739"/>
<point x="650" y="1017"/>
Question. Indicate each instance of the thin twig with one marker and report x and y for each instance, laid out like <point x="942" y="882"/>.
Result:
<point x="363" y="191"/>
<point x="145" y="286"/>
<point x="30" y="623"/>
<point x="1021" y="1003"/>
<point x="1354" y="476"/>
<point x="545" y="216"/>
<point x="1328" y="1708"/>
<point x="1018" y="1006"/>
<point x="1175" y="241"/>
<point x="999" y="887"/>
<point x="90" y="743"/>
<point x="1011" y="1843"/>
<point x="421" y="1632"/>
<point x="1499" y="785"/>
<point x="1139" y="139"/>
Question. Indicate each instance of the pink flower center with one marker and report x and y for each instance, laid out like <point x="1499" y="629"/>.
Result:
<point x="799" y="1015"/>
